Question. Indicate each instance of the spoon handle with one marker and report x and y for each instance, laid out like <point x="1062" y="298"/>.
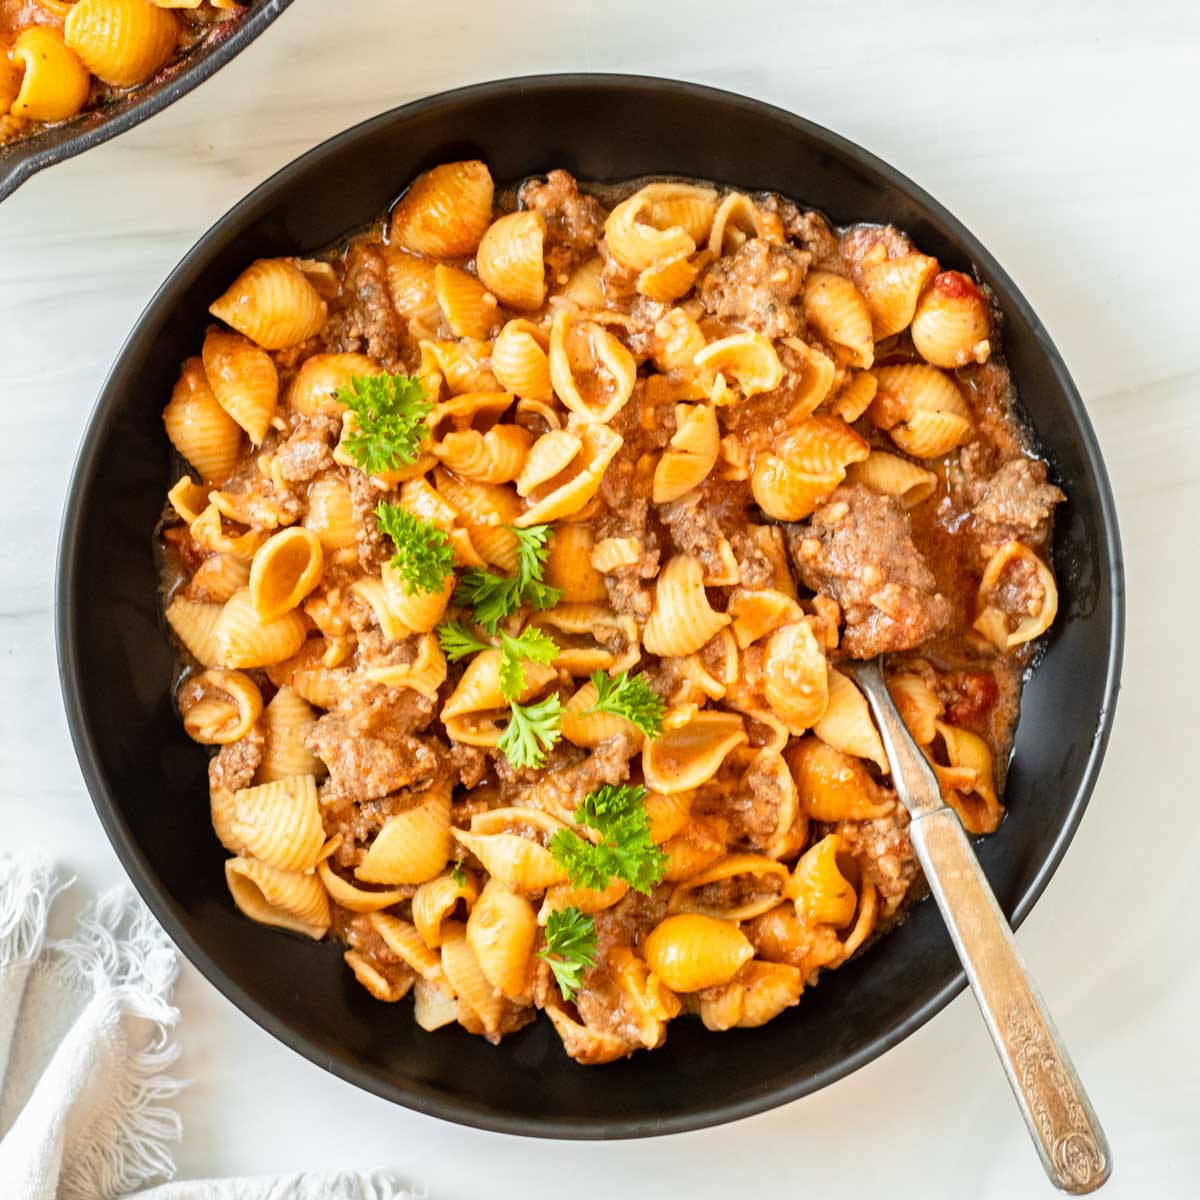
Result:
<point x="1057" y="1112"/>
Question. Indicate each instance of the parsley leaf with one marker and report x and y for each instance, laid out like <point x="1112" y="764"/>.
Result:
<point x="389" y="412"/>
<point x="458" y="641"/>
<point x="424" y="556"/>
<point x="458" y="874"/>
<point x="533" y="730"/>
<point x="570" y="947"/>
<point x="532" y="644"/>
<point x="494" y="597"/>
<point x="631" y="698"/>
<point x="624" y="851"/>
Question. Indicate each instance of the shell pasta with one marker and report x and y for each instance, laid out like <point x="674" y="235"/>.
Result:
<point x="514" y="554"/>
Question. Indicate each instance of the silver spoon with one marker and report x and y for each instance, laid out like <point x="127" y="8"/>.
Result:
<point x="1057" y="1112"/>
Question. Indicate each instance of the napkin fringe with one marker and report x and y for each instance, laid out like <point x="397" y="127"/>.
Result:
<point x="119" y="948"/>
<point x="27" y="889"/>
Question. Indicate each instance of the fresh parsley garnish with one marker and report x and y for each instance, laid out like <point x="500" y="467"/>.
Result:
<point x="458" y="874"/>
<point x="424" y="556"/>
<point x="533" y="730"/>
<point x="494" y="597"/>
<point x="570" y="948"/>
<point x="389" y="412"/>
<point x="629" y="697"/>
<point x="458" y="641"/>
<point x="624" y="851"/>
<point x="532" y="645"/>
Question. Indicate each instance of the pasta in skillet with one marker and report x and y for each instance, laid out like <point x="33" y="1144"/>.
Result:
<point x="513" y="569"/>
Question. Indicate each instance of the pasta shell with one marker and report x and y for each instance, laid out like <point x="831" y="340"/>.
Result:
<point x="975" y="802"/>
<point x="584" y="1044"/>
<point x="1041" y="587"/>
<point x="682" y="619"/>
<point x="242" y="640"/>
<point x="795" y="676"/>
<point x="433" y="1005"/>
<point x="195" y="625"/>
<point x="918" y="705"/>
<point x="229" y="707"/>
<point x="740" y="886"/>
<point x="307" y="673"/>
<point x="891" y="287"/>
<point x="493" y="457"/>
<point x="122" y="42"/>
<point x="243" y="379"/>
<point x="698" y="845"/>
<point x="414" y="297"/>
<point x="682" y="759"/>
<point x="315" y="386"/>
<point x="592" y="729"/>
<point x="286" y="567"/>
<point x="550" y="455"/>
<point x="517" y="862"/>
<point x="952" y="324"/>
<point x="280" y="823"/>
<point x="847" y="725"/>
<point x="520" y="362"/>
<point x="921" y="409"/>
<point x="218" y="577"/>
<point x="469" y="308"/>
<point x="221" y="810"/>
<point x="445" y="212"/>
<point x="500" y="932"/>
<point x="403" y="940"/>
<point x="757" y="994"/>
<point x="737" y="219"/>
<point x="812" y="375"/>
<point x="689" y="952"/>
<point x="189" y="498"/>
<point x="285" y="722"/>
<point x="53" y="83"/>
<point x="892" y="475"/>
<point x="585" y="286"/>
<point x="413" y="845"/>
<point x="855" y="396"/>
<point x="199" y="428"/>
<point x="460" y="364"/>
<point x="380" y="986"/>
<point x="587" y="900"/>
<point x="590" y="638"/>
<point x="823" y="895"/>
<point x="581" y="348"/>
<point x="749" y="359"/>
<point x="670" y="278"/>
<point x="285" y="899"/>
<point x="425" y="674"/>
<point x="438" y="900"/>
<point x="466" y="977"/>
<point x="688" y="206"/>
<point x="832" y="786"/>
<point x="636" y="241"/>
<point x="836" y="309"/>
<point x="330" y="514"/>
<point x="477" y="703"/>
<point x="667" y="815"/>
<point x="565" y="494"/>
<point x="273" y="304"/>
<point x="692" y="454"/>
<point x="509" y="259"/>
<point x="569" y="566"/>
<point x="757" y="613"/>
<point x="806" y="464"/>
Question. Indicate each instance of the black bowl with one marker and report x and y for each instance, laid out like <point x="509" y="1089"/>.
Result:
<point x="148" y="780"/>
<point x="64" y="139"/>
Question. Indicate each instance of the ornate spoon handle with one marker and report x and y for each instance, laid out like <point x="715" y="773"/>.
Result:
<point x="1057" y="1112"/>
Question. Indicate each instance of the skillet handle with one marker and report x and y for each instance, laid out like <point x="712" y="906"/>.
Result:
<point x="1057" y="1112"/>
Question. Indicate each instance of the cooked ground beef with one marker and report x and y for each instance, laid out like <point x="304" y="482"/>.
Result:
<point x="469" y="762"/>
<point x="374" y="549"/>
<point x="858" y="240"/>
<point x="560" y="791"/>
<point x="368" y="766"/>
<point x="235" y="763"/>
<point x="858" y="548"/>
<point x="574" y="222"/>
<point x="885" y="854"/>
<point x="362" y="318"/>
<point x="758" y="287"/>
<point x="308" y="447"/>
<point x="1016" y="504"/>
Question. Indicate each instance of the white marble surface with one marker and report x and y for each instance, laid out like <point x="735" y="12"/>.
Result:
<point x="1062" y="135"/>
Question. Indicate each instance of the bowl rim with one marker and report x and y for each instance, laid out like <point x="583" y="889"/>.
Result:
<point x="421" y="1097"/>
<point x="26" y="156"/>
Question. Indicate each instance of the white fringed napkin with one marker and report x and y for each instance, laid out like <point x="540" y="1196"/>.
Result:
<point x="85" y="1047"/>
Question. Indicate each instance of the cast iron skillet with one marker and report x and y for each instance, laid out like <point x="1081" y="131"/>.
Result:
<point x="148" y="780"/>
<point x="22" y="158"/>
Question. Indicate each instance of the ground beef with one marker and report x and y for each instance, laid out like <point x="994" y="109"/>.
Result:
<point x="374" y="549"/>
<point x="1016" y="504"/>
<point x="885" y="854"/>
<point x="809" y="229"/>
<point x="256" y="500"/>
<point x="362" y="319"/>
<point x="308" y="447"/>
<point x="858" y="240"/>
<point x="758" y="287"/>
<point x="574" y="222"/>
<point x="368" y="766"/>
<point x="858" y="548"/>
<point x="234" y="766"/>
<point x="469" y="762"/>
<point x="700" y="523"/>
<point x="753" y="809"/>
<point x="560" y="791"/>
